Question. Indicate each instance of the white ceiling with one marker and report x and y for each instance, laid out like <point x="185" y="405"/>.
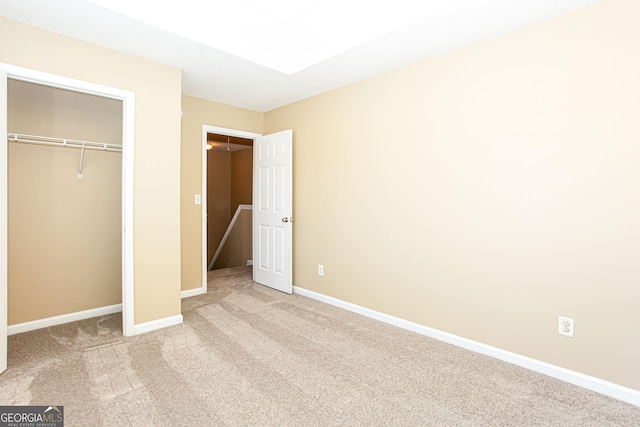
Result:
<point x="284" y="35"/>
<point x="435" y="27"/>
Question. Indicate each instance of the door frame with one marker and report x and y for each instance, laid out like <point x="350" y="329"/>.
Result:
<point x="128" y="122"/>
<point x="226" y="132"/>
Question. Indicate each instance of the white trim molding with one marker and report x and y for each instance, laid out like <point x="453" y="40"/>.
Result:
<point x="128" y="135"/>
<point x="88" y="314"/>
<point x="229" y="132"/>
<point x="598" y="385"/>
<point x="4" y="204"/>
<point x="203" y="208"/>
<point x="19" y="328"/>
<point x="203" y="197"/>
<point x="191" y="293"/>
<point x="153" y="325"/>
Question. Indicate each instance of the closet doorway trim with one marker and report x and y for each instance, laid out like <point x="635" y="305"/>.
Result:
<point x="128" y="120"/>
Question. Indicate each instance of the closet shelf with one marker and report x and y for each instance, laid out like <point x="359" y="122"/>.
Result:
<point x="61" y="142"/>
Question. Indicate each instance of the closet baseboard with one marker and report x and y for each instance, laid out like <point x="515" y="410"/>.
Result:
<point x="19" y="328"/>
<point x="141" y="328"/>
<point x="192" y="292"/>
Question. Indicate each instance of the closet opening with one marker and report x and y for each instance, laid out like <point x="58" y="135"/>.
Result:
<point x="69" y="197"/>
<point x="64" y="202"/>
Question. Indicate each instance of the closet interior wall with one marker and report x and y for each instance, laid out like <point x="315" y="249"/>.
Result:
<point x="65" y="232"/>
<point x="229" y="184"/>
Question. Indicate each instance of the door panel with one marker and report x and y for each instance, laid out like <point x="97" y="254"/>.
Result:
<point x="263" y="187"/>
<point x="263" y="243"/>
<point x="279" y="249"/>
<point x="272" y="210"/>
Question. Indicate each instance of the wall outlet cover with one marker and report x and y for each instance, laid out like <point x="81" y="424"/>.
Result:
<point x="565" y="326"/>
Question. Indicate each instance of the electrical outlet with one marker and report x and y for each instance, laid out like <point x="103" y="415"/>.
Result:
<point x="565" y="326"/>
<point x="320" y="270"/>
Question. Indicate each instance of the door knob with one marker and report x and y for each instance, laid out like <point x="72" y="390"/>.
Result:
<point x="285" y="219"/>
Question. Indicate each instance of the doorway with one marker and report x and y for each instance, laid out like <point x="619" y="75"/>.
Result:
<point x="229" y="194"/>
<point x="272" y="197"/>
<point x="221" y="139"/>
<point x="127" y="99"/>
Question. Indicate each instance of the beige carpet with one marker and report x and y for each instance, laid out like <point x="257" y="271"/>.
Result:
<point x="250" y="356"/>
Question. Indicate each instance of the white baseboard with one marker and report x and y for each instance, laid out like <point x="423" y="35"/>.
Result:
<point x="94" y="312"/>
<point x="63" y="318"/>
<point x="598" y="385"/>
<point x="141" y="328"/>
<point x="192" y="292"/>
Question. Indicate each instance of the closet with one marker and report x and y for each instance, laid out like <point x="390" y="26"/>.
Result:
<point x="64" y="202"/>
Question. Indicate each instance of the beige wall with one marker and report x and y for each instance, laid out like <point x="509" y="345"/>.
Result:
<point x="241" y="178"/>
<point x="238" y="248"/>
<point x="46" y="111"/>
<point x="64" y="234"/>
<point x="218" y="198"/>
<point x="198" y="112"/>
<point x="229" y="177"/>
<point x="487" y="191"/>
<point x="157" y="148"/>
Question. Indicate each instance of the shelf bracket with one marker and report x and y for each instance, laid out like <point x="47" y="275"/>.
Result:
<point x="81" y="161"/>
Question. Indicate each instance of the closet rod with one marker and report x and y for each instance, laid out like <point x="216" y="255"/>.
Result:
<point x="61" y="142"/>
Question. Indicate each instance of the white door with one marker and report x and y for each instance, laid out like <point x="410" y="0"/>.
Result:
<point x="272" y="210"/>
<point x="3" y="221"/>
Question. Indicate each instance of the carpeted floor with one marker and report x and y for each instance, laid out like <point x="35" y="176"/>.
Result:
<point x="250" y="356"/>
